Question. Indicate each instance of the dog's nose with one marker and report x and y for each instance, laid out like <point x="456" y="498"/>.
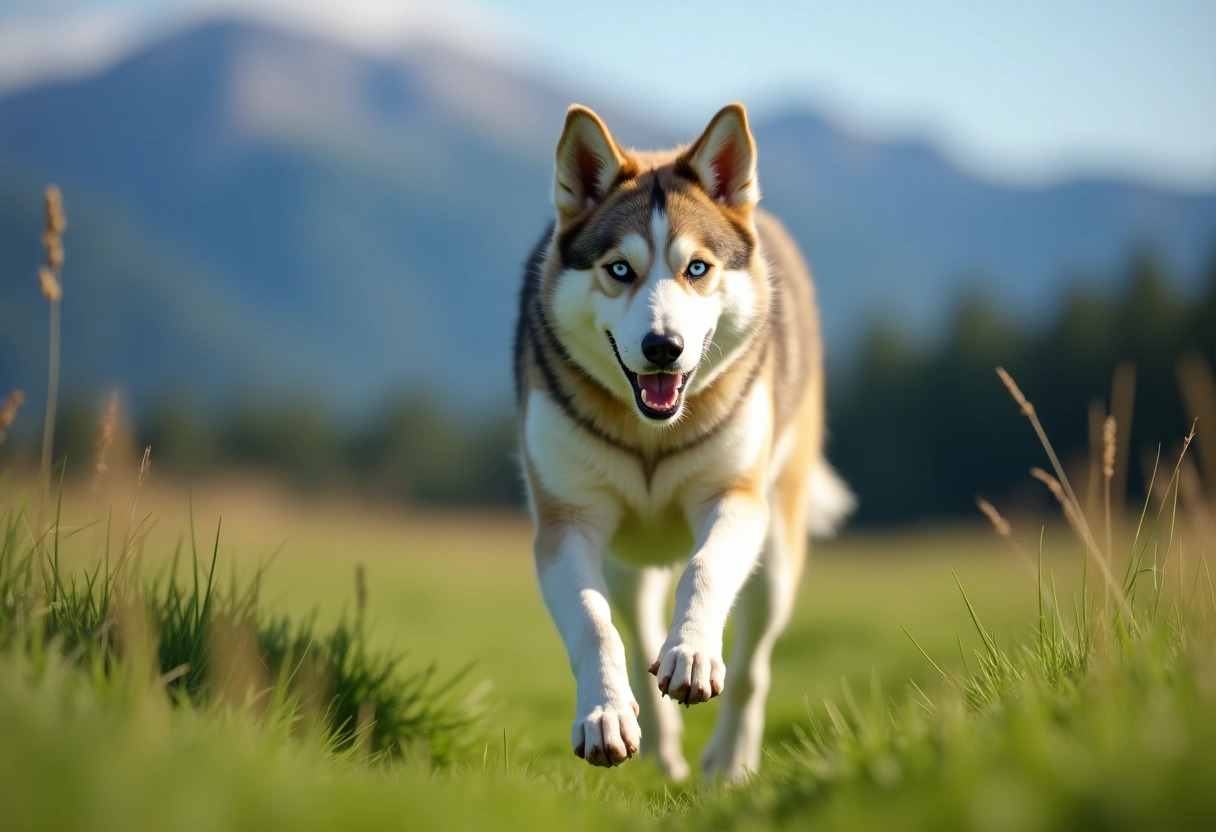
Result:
<point x="662" y="350"/>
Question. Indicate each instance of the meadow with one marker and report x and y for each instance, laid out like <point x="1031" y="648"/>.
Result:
<point x="229" y="654"/>
<point x="864" y="731"/>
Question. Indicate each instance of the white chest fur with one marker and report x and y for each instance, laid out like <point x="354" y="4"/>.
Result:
<point x="644" y="517"/>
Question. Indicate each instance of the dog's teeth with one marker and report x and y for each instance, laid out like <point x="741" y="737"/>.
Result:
<point x="645" y="399"/>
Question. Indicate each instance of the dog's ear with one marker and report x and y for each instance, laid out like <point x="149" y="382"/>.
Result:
<point x="723" y="159"/>
<point x="588" y="161"/>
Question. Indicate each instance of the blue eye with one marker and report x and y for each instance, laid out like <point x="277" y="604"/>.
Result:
<point x="697" y="268"/>
<point x="621" y="271"/>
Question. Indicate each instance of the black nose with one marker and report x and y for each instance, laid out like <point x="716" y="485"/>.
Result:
<point x="662" y="350"/>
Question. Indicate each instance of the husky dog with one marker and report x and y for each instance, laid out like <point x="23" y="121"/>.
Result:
<point x="670" y="374"/>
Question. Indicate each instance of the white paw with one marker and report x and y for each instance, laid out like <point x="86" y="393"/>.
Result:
<point x="733" y="753"/>
<point x="690" y="674"/>
<point x="674" y="767"/>
<point x="607" y="734"/>
<point x="727" y="764"/>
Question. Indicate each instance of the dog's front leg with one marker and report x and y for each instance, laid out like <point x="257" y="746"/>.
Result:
<point x="606" y="731"/>
<point x="732" y="528"/>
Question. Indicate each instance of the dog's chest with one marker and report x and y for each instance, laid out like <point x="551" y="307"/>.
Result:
<point x="653" y="539"/>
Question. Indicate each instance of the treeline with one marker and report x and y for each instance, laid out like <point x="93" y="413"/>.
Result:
<point x="413" y="450"/>
<point x="918" y="429"/>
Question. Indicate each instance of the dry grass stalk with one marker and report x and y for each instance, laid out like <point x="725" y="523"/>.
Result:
<point x="1097" y="412"/>
<point x="125" y="561"/>
<point x="8" y="413"/>
<point x="365" y="722"/>
<point x="313" y="688"/>
<point x="1199" y="393"/>
<point x="1028" y="411"/>
<point x="1063" y="491"/>
<point x="1159" y="487"/>
<point x="56" y="219"/>
<point x="51" y="281"/>
<point x="144" y="466"/>
<point x="1177" y="483"/>
<point x="53" y="243"/>
<point x="1108" y="448"/>
<point x="236" y="670"/>
<point x="1193" y="502"/>
<point x="1122" y="407"/>
<point x="1026" y="407"/>
<point x="105" y="438"/>
<point x="1001" y="526"/>
<point x="136" y="636"/>
<point x="1057" y="491"/>
<point x="1074" y="517"/>
<point x="999" y="523"/>
<point x="1162" y="486"/>
<point x="1077" y="520"/>
<point x="1109" y="445"/>
<point x="51" y="290"/>
<point x="360" y="589"/>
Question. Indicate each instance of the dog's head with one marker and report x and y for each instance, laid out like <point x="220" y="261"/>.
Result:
<point x="657" y="284"/>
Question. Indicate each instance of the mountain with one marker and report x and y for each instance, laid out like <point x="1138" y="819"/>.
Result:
<point x="895" y="229"/>
<point x="253" y="212"/>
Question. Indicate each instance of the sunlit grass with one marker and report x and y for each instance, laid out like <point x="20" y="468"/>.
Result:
<point x="200" y="639"/>
<point x="151" y="675"/>
<point x="155" y="678"/>
<point x="992" y="737"/>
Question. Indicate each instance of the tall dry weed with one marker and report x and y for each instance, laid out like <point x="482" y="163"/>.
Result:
<point x="8" y="412"/>
<point x="50" y="277"/>
<point x="105" y="440"/>
<point x="1122" y="407"/>
<point x="1063" y="492"/>
<point x="1199" y="395"/>
<point x="1109" y="438"/>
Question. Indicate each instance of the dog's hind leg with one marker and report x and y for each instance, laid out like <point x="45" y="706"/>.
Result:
<point x="640" y="597"/>
<point x="762" y="611"/>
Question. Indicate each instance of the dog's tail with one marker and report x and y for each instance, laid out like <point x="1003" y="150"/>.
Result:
<point x="829" y="500"/>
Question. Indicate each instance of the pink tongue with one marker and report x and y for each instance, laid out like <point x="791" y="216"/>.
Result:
<point x="662" y="389"/>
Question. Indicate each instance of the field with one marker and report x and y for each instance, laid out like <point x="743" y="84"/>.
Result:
<point x="232" y="655"/>
<point x="455" y="589"/>
<point x="91" y="749"/>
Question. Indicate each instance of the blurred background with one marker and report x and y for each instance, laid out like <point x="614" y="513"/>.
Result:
<point x="276" y="210"/>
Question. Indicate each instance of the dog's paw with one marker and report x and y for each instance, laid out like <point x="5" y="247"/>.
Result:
<point x="607" y="735"/>
<point x="674" y="767"/>
<point x="690" y="674"/>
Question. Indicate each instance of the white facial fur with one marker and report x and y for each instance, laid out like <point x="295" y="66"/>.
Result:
<point x="588" y="304"/>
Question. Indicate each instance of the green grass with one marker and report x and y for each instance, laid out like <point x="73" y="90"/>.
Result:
<point x="998" y="713"/>
<point x="205" y="641"/>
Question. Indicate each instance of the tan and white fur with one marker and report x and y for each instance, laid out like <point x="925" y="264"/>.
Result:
<point x="670" y="375"/>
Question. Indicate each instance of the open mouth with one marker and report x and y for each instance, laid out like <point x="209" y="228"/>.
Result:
<point x="658" y="395"/>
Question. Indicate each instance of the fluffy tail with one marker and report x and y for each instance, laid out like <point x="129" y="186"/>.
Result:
<point x="829" y="500"/>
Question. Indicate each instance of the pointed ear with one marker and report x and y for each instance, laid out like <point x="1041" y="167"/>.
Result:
<point x="588" y="160"/>
<point x="723" y="159"/>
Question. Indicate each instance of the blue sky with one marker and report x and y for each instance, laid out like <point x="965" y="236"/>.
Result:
<point x="1019" y="92"/>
